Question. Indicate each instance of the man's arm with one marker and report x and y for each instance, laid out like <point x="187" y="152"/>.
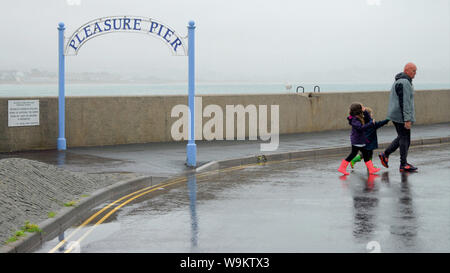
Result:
<point x="400" y="95"/>
<point x="407" y="102"/>
<point x="404" y="93"/>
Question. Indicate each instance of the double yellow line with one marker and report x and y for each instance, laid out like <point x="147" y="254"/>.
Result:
<point x="140" y="193"/>
<point x="131" y="196"/>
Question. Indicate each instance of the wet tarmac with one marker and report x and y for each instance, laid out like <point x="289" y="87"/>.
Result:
<point x="295" y="206"/>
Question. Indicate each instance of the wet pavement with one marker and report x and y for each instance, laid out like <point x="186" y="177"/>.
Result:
<point x="168" y="159"/>
<point x="294" y="206"/>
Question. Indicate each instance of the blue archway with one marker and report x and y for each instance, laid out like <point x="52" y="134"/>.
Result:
<point x="135" y="24"/>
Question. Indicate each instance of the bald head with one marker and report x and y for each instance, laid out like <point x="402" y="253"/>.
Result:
<point x="410" y="70"/>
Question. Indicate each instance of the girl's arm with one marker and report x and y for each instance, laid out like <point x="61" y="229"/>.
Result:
<point x="359" y="127"/>
<point x="380" y="124"/>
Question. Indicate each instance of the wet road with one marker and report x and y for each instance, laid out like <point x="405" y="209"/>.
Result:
<point x="296" y="206"/>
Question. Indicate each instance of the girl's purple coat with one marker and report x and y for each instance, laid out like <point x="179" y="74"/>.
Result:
<point x="357" y="135"/>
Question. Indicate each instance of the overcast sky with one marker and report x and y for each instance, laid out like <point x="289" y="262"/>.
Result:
<point x="298" y="41"/>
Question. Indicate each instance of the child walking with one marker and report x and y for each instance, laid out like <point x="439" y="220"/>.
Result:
<point x="358" y="138"/>
<point x="371" y="135"/>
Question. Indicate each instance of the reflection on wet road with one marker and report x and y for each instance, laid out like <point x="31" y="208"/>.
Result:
<point x="297" y="206"/>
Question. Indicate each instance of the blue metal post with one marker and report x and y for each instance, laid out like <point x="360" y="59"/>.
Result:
<point x="191" y="148"/>
<point x="61" y="98"/>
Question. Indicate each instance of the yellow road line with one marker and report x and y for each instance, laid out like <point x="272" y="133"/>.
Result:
<point x="118" y="207"/>
<point x="144" y="193"/>
<point x="175" y="181"/>
<point x="98" y="213"/>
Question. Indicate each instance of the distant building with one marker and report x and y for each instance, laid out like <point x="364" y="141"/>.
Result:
<point x="11" y="76"/>
<point x="41" y="76"/>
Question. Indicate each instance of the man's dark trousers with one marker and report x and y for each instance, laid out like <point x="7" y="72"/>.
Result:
<point x="403" y="140"/>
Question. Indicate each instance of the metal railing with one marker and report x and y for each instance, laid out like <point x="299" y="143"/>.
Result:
<point x="303" y="89"/>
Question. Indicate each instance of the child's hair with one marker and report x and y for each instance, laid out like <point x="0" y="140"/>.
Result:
<point x="356" y="111"/>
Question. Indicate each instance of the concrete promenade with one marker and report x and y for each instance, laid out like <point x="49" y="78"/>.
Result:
<point x="167" y="159"/>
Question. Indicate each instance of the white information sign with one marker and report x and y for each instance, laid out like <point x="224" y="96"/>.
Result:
<point x="23" y="113"/>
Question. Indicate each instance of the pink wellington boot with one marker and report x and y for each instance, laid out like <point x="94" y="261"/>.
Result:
<point x="343" y="167"/>
<point x="371" y="168"/>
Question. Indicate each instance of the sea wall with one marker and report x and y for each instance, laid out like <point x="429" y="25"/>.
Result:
<point x="98" y="121"/>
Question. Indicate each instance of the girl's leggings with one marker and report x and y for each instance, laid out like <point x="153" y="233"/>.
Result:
<point x="354" y="152"/>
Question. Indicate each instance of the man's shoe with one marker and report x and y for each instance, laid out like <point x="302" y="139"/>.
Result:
<point x="408" y="168"/>
<point x="384" y="160"/>
<point x="412" y="167"/>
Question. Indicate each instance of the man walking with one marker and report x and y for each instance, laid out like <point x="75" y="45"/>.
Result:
<point x="401" y="113"/>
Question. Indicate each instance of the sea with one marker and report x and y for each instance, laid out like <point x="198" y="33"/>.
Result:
<point x="168" y="89"/>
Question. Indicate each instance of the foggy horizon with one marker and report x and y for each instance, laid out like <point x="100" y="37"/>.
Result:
<point x="326" y="41"/>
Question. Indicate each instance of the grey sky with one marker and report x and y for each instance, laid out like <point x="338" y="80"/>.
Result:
<point x="350" y="41"/>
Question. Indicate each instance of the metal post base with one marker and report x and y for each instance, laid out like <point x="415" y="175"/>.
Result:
<point x="61" y="144"/>
<point x="191" y="150"/>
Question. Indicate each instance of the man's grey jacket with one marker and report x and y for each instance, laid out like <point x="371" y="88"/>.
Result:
<point x="401" y="100"/>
